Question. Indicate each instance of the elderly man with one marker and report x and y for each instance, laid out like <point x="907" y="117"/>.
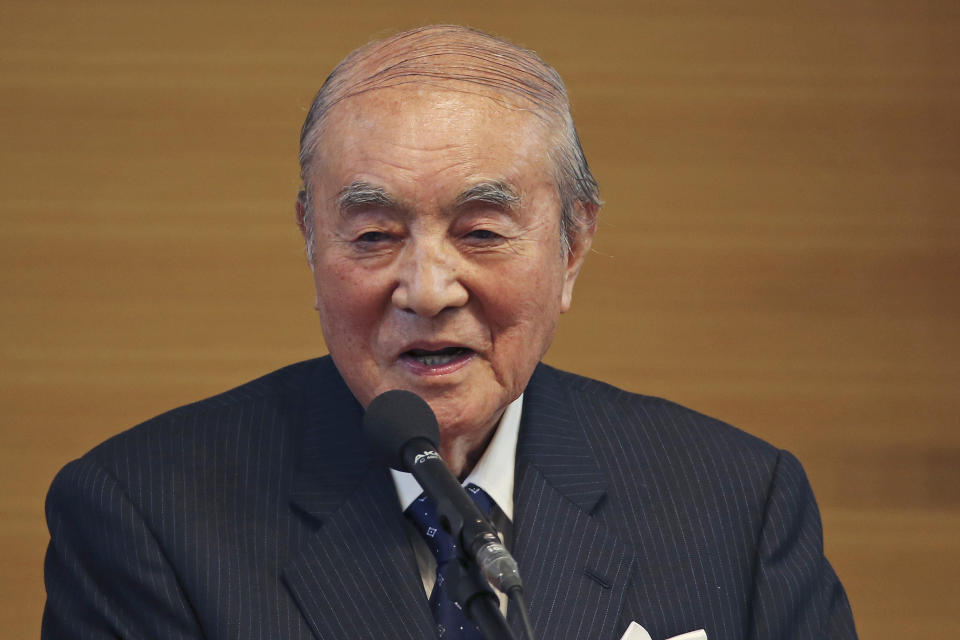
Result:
<point x="447" y="208"/>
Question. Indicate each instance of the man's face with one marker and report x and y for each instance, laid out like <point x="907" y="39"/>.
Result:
<point x="438" y="262"/>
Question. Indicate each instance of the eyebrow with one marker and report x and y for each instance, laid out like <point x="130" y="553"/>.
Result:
<point x="496" y="192"/>
<point x="359" y="194"/>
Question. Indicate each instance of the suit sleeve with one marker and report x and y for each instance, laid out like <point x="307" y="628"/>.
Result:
<point x="797" y="594"/>
<point x="105" y="573"/>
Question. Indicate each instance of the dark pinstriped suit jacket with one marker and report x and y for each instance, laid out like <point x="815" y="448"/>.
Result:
<point x="256" y="514"/>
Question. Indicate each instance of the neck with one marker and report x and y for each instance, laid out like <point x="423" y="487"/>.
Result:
<point x="463" y="452"/>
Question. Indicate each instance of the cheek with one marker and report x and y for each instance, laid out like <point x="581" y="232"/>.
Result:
<point x="345" y="298"/>
<point x="525" y="303"/>
<point x="538" y="282"/>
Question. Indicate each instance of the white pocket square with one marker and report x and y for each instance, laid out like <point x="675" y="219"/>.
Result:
<point x="636" y="632"/>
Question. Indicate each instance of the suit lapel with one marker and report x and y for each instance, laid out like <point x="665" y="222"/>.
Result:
<point x="576" y="573"/>
<point x="355" y="576"/>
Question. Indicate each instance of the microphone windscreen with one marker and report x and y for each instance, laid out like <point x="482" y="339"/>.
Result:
<point x="393" y="419"/>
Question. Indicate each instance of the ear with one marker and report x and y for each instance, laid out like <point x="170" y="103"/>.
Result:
<point x="301" y="208"/>
<point x="580" y="243"/>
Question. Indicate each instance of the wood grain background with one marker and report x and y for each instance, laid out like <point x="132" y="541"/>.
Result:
<point x="780" y="247"/>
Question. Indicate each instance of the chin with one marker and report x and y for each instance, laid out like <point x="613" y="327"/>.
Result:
<point x="459" y="416"/>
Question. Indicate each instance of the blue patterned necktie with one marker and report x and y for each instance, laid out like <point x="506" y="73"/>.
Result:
<point x="452" y="623"/>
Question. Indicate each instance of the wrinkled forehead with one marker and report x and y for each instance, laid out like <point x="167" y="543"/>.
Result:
<point x="427" y="128"/>
<point x="509" y="88"/>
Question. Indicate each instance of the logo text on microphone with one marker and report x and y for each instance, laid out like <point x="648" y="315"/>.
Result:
<point x="426" y="455"/>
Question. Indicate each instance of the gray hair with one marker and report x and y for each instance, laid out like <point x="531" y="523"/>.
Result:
<point x="443" y="53"/>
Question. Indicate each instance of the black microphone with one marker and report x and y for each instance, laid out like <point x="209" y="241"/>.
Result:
<point x="402" y="432"/>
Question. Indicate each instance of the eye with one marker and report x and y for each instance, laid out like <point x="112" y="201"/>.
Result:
<point x="484" y="235"/>
<point x="374" y="242"/>
<point x="373" y="237"/>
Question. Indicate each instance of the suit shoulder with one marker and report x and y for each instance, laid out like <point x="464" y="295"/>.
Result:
<point x="268" y="402"/>
<point x="659" y="456"/>
<point x="656" y="421"/>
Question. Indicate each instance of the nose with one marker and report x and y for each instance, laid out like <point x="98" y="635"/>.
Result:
<point x="429" y="280"/>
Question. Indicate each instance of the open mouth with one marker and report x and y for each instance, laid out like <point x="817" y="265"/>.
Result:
<point x="439" y="357"/>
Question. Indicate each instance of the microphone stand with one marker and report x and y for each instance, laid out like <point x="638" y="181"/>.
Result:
<point x="480" y="604"/>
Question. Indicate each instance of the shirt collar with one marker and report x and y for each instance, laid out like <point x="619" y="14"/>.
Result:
<point x="493" y="472"/>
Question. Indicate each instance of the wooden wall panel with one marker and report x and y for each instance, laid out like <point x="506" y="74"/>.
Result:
<point x="780" y="245"/>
